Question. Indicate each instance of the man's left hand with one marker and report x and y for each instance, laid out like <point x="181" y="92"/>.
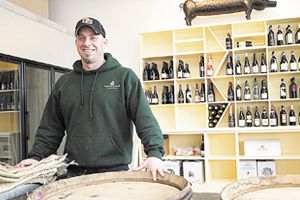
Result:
<point x="154" y="165"/>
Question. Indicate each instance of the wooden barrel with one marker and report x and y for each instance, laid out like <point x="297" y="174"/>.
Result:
<point x="130" y="185"/>
<point x="262" y="188"/>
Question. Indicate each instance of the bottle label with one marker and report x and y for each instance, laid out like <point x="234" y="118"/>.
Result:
<point x="273" y="122"/>
<point x="283" y="119"/>
<point x="210" y="98"/>
<point x="202" y="99"/>
<point x="154" y="100"/>
<point x="241" y="122"/>
<point x="186" y="75"/>
<point x="238" y="94"/>
<point x="247" y="96"/>
<point x="263" y="68"/>
<point x="282" y="92"/>
<point x="209" y="72"/>
<point x="293" y="66"/>
<point x="256" y="122"/>
<point x="265" y="122"/>
<point x="290" y="38"/>
<point x="238" y="70"/>
<point x="274" y="67"/>
<point x="292" y="119"/>
<point x="180" y="74"/>
<point x="255" y="69"/>
<point x="264" y="95"/>
<point x="284" y="67"/>
<point x="247" y="70"/>
<point x="229" y="71"/>
<point x="249" y="119"/>
<point x="280" y="37"/>
<point x="164" y="75"/>
<point x="197" y="99"/>
<point x="298" y="36"/>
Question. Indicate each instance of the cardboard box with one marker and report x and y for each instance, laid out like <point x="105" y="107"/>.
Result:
<point x="193" y="171"/>
<point x="270" y="147"/>
<point x="247" y="169"/>
<point x="9" y="148"/>
<point x="172" y="166"/>
<point x="266" y="168"/>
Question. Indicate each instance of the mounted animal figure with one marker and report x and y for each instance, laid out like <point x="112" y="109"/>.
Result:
<point x="216" y="7"/>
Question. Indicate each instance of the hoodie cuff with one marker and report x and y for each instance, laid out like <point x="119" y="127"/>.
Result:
<point x="156" y="154"/>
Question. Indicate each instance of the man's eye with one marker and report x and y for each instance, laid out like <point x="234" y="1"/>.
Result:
<point x="94" y="38"/>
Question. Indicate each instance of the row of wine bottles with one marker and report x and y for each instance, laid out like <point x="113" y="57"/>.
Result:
<point x="7" y="80"/>
<point x="246" y="119"/>
<point x="151" y="72"/>
<point x="9" y="101"/>
<point x="238" y="95"/>
<point x="215" y="112"/>
<point x="283" y="39"/>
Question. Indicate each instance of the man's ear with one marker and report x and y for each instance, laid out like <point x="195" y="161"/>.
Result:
<point x="105" y="41"/>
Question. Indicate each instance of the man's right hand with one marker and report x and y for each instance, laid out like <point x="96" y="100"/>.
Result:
<point x="27" y="162"/>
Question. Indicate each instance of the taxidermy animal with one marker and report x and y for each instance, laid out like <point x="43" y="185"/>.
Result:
<point x="216" y="7"/>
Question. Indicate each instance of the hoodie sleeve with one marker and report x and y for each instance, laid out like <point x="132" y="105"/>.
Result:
<point x="146" y="125"/>
<point x="50" y="131"/>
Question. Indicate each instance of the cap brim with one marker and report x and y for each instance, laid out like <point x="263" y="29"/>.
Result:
<point x="86" y="25"/>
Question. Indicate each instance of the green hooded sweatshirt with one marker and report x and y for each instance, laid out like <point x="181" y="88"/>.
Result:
<point x="97" y="110"/>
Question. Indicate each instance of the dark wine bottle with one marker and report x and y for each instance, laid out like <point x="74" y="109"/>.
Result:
<point x="241" y="118"/>
<point x="263" y="90"/>
<point x="256" y="117"/>
<point x="228" y="41"/>
<point x="152" y="72"/>
<point x="293" y="89"/>
<point x="164" y="95"/>
<point x="282" y="89"/>
<point x="156" y="72"/>
<point x="171" y="70"/>
<point x="229" y="65"/>
<point x="273" y="63"/>
<point x="165" y="71"/>
<point x="197" y="94"/>
<point x="264" y="118"/>
<point x="202" y="93"/>
<point x="255" y="65"/>
<point x="171" y="99"/>
<point x="238" y="66"/>
<point x="154" y="97"/>
<point x="180" y="95"/>
<point x="288" y="35"/>
<point x="201" y="67"/>
<point x="271" y="37"/>
<point x="230" y="92"/>
<point x="188" y="94"/>
<point x="247" y="68"/>
<point x="145" y="72"/>
<point x="279" y="36"/>
<point x="186" y="71"/>
<point x="238" y="91"/>
<point x="248" y="117"/>
<point x="247" y="92"/>
<point x="263" y="64"/>
<point x="283" y="116"/>
<point x="210" y="93"/>
<point x="292" y="117"/>
<point x="202" y="150"/>
<point x="273" y="117"/>
<point x="180" y="69"/>
<point x="297" y="35"/>
<point x="231" y="119"/>
<point x="293" y="62"/>
<point x="283" y="63"/>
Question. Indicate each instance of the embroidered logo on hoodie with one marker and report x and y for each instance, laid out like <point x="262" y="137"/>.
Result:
<point x="112" y="86"/>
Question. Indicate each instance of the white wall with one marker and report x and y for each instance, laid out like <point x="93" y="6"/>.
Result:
<point x="26" y="35"/>
<point x="125" y="19"/>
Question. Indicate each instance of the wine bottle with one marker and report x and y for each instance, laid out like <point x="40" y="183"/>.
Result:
<point x="154" y="97"/>
<point x="165" y="71"/>
<point x="171" y="70"/>
<point x="248" y="117"/>
<point x="230" y="92"/>
<point x="238" y="91"/>
<point x="255" y="90"/>
<point x="283" y="63"/>
<point x="186" y="72"/>
<point x="293" y="62"/>
<point x="202" y="146"/>
<point x="241" y="118"/>
<point x="297" y="35"/>
<point x="247" y="69"/>
<point x="156" y="72"/>
<point x="201" y="67"/>
<point x="197" y="94"/>
<point x="292" y="117"/>
<point x="148" y="96"/>
<point x="171" y="99"/>
<point x="271" y="37"/>
<point x="228" y="41"/>
<point x="279" y="36"/>
<point x="238" y="66"/>
<point x="263" y="90"/>
<point x="283" y="116"/>
<point x="273" y="117"/>
<point x="229" y="65"/>
<point x="231" y="120"/>
<point x="202" y="93"/>
<point x="282" y="89"/>
<point x="263" y="64"/>
<point x="256" y="117"/>
<point x="180" y="69"/>
<point x="210" y="68"/>
<point x="293" y="89"/>
<point x="180" y="95"/>
<point x="188" y="94"/>
<point x="299" y="118"/>
<point x="255" y="65"/>
<point x="247" y="92"/>
<point x="210" y="93"/>
<point x="145" y="72"/>
<point x="164" y="95"/>
<point x="273" y="62"/>
<point x="152" y="72"/>
<point x="264" y="118"/>
<point x="288" y="35"/>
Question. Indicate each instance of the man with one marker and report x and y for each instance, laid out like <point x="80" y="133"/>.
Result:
<point x="97" y="104"/>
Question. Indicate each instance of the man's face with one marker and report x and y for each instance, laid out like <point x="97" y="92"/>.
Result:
<point x="90" y="46"/>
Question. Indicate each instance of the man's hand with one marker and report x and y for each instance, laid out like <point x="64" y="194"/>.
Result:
<point x="27" y="162"/>
<point x="154" y="165"/>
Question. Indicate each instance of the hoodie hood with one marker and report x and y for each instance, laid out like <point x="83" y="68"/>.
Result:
<point x="110" y="63"/>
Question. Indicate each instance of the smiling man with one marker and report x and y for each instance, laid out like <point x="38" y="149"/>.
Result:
<point x="97" y="105"/>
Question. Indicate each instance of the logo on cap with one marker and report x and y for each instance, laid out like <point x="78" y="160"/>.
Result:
<point x="87" y="21"/>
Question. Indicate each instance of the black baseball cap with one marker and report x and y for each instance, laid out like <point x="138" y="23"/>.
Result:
<point x="94" y="24"/>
